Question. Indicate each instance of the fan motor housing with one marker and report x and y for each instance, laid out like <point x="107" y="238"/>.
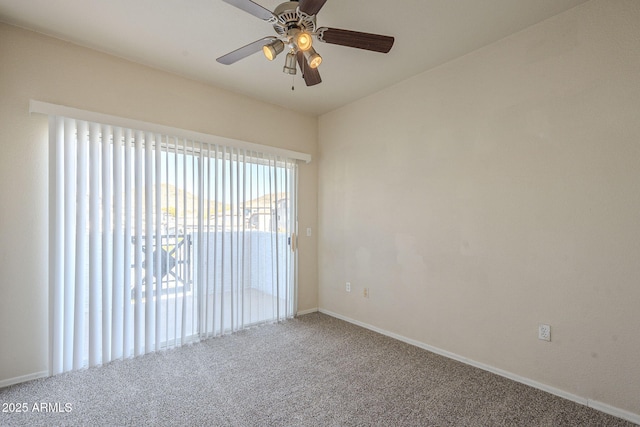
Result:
<point x="290" y="17"/>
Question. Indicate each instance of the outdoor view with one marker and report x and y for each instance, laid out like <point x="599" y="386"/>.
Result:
<point x="220" y="258"/>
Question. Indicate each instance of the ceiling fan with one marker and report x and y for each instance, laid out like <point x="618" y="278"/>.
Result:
<point x="295" y="24"/>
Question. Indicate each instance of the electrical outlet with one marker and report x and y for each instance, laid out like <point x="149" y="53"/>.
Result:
<point x="308" y="231"/>
<point x="348" y="287"/>
<point x="544" y="332"/>
<point x="365" y="292"/>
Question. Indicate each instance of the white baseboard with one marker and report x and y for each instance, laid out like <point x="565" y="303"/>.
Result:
<point x="23" y="378"/>
<point x="309" y="311"/>
<point x="616" y="412"/>
<point x="599" y="406"/>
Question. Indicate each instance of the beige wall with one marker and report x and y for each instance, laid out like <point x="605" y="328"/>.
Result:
<point x="496" y="192"/>
<point x="475" y="201"/>
<point x="33" y="66"/>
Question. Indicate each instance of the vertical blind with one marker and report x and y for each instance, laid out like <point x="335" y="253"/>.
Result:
<point x="158" y="240"/>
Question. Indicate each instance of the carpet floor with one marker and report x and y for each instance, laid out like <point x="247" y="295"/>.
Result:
<point x="314" y="370"/>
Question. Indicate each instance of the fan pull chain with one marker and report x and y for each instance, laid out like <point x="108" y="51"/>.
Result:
<point x="293" y="82"/>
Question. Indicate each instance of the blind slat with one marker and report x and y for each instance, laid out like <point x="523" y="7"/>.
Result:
<point x="107" y="251"/>
<point x="69" y="239"/>
<point x="148" y="242"/>
<point x="127" y="321"/>
<point x="56" y="135"/>
<point x="138" y="336"/>
<point x="118" y="248"/>
<point x="81" y="247"/>
<point x="95" y="329"/>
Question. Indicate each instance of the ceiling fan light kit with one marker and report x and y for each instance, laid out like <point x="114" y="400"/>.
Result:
<point x="295" y="24"/>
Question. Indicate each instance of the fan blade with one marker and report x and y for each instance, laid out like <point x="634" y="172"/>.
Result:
<point x="245" y="51"/>
<point x="311" y="7"/>
<point x="311" y="75"/>
<point x="254" y="9"/>
<point x="374" y="42"/>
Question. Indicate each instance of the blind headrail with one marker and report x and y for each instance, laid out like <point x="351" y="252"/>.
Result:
<point x="41" y="107"/>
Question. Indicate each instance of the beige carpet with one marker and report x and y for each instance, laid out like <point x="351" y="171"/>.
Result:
<point x="311" y="371"/>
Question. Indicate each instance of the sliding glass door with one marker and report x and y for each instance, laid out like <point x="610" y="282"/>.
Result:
<point x="161" y="240"/>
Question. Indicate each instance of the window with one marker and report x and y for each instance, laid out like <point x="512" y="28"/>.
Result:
<point x="158" y="240"/>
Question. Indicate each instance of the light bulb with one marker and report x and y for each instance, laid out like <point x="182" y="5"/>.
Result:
<point x="304" y="41"/>
<point x="272" y="50"/>
<point x="313" y="58"/>
<point x="268" y="51"/>
<point x="316" y="60"/>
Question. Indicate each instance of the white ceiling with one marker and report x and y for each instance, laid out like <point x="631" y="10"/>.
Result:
<point x="186" y="37"/>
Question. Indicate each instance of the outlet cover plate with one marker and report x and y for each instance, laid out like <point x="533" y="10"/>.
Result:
<point x="544" y="332"/>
